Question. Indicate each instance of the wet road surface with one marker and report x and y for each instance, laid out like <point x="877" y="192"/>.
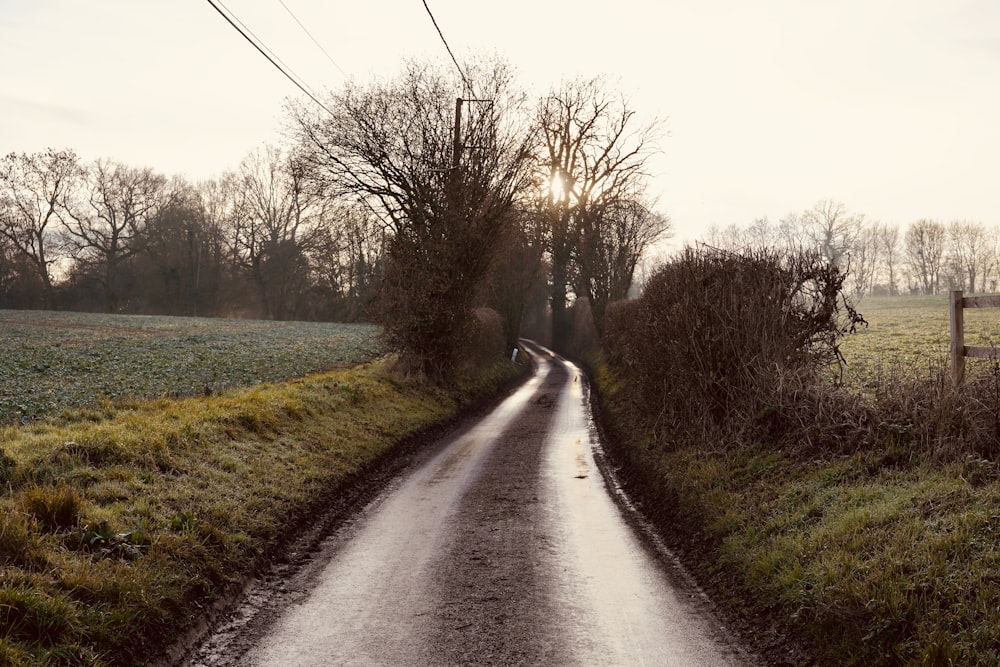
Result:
<point x="504" y="547"/>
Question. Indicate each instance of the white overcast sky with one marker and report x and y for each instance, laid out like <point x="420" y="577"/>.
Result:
<point x="889" y="106"/>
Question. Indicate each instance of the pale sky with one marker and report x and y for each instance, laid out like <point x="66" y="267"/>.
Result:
<point x="889" y="106"/>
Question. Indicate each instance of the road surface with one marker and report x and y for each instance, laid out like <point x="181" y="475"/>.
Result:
<point x="503" y="547"/>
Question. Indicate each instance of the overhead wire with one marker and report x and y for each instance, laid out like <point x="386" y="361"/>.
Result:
<point x="461" y="73"/>
<point x="320" y="46"/>
<point x="260" y="41"/>
<point x="264" y="51"/>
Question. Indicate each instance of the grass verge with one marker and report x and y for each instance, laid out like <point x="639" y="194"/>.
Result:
<point x="871" y="556"/>
<point x="120" y="524"/>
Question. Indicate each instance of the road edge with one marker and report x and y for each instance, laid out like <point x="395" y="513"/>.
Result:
<point x="336" y="508"/>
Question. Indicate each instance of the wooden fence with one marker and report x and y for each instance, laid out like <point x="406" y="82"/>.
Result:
<point x="959" y="350"/>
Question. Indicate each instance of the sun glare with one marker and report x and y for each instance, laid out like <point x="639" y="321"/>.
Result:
<point x="557" y="187"/>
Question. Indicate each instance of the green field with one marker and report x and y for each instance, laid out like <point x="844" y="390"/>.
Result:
<point x="909" y="336"/>
<point x="52" y="361"/>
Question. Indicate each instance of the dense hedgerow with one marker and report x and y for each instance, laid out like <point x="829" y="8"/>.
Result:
<point x="717" y="335"/>
<point x="485" y="343"/>
<point x="737" y="347"/>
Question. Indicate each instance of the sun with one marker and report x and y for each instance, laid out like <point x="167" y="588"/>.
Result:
<point x="558" y="187"/>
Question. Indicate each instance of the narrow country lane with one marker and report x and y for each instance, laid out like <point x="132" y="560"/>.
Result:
<point x="505" y="547"/>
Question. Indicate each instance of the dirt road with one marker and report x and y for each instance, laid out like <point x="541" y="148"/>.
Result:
<point x="503" y="547"/>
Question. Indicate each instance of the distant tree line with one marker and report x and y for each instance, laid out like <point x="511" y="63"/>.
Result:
<point x="413" y="201"/>
<point x="924" y="257"/>
<point x="105" y="236"/>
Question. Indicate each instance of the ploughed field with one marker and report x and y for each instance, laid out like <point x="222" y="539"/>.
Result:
<point x="909" y="335"/>
<point x="56" y="360"/>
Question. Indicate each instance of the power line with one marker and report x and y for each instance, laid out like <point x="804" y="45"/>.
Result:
<point x="306" y="30"/>
<point x="261" y="48"/>
<point x="465" y="79"/>
<point x="264" y="46"/>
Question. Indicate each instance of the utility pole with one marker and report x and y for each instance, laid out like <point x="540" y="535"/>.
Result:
<point x="456" y="153"/>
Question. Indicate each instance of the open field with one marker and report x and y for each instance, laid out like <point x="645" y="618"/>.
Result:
<point x="909" y="336"/>
<point x="53" y="361"/>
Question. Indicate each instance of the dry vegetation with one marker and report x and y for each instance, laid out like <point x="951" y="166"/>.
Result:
<point x="861" y="519"/>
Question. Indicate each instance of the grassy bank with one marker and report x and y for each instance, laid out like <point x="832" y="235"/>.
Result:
<point x="860" y="519"/>
<point x="881" y="556"/>
<point x="120" y="523"/>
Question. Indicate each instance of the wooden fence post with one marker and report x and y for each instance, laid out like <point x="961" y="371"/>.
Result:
<point x="957" y="337"/>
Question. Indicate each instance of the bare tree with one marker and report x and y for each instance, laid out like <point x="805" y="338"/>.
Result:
<point x="104" y="228"/>
<point x="181" y="267"/>
<point x="924" y="245"/>
<point x="14" y="279"/>
<point x="970" y="253"/>
<point x="224" y="221"/>
<point x="610" y="244"/>
<point x="592" y="152"/>
<point x="725" y="238"/>
<point x="276" y="222"/>
<point x="832" y="230"/>
<point x="864" y="259"/>
<point x="33" y="192"/>
<point x="518" y="272"/>
<point x="990" y="277"/>
<point x="888" y="238"/>
<point x="758" y="234"/>
<point x="793" y="233"/>
<point x="445" y="192"/>
<point x="349" y="262"/>
<point x="7" y="272"/>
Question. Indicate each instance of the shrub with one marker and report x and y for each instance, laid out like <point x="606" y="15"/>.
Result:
<point x="582" y="340"/>
<point x="424" y="315"/>
<point x="882" y="554"/>
<point x="619" y="318"/>
<point x="716" y="334"/>
<point x="485" y="342"/>
<point x="933" y="420"/>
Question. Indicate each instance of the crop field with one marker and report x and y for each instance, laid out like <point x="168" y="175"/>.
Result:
<point x="909" y="336"/>
<point x="50" y="361"/>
